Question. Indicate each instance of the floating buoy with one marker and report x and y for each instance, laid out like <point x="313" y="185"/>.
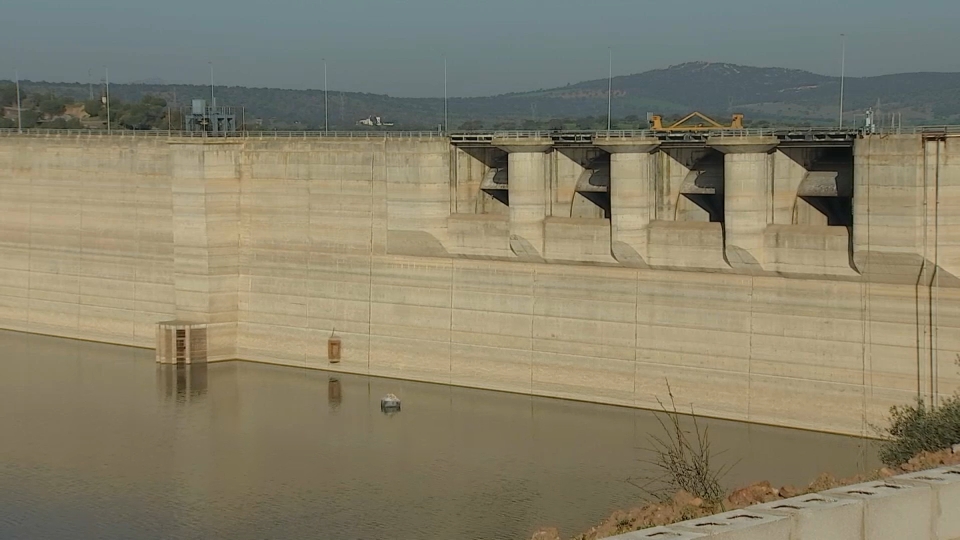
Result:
<point x="390" y="402"/>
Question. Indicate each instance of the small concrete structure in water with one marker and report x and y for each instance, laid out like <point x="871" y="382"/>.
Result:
<point x="390" y="403"/>
<point x="181" y="342"/>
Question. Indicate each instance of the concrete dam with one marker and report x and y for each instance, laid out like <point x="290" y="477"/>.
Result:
<point x="803" y="279"/>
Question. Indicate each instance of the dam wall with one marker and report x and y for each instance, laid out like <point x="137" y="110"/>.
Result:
<point x="789" y="285"/>
<point x="86" y="237"/>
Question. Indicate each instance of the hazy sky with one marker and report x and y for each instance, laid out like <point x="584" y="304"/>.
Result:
<point x="492" y="46"/>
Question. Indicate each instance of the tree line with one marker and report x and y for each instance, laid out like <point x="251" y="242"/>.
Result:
<point x="48" y="110"/>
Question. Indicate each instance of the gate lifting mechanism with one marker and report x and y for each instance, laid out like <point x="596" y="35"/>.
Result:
<point x="656" y="123"/>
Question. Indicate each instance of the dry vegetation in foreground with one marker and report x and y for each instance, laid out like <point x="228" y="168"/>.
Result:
<point x="687" y="483"/>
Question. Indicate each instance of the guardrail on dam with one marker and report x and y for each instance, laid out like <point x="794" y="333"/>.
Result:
<point x="799" y="278"/>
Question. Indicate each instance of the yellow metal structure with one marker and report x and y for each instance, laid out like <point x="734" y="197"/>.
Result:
<point x="656" y="123"/>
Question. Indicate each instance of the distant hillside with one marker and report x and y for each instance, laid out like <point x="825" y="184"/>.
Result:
<point x="776" y="95"/>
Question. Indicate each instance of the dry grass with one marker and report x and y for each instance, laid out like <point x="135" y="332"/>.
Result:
<point x="682" y="460"/>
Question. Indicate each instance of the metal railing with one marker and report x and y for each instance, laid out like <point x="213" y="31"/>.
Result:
<point x="923" y="130"/>
<point x="487" y="135"/>
<point x="517" y="134"/>
<point x="161" y="133"/>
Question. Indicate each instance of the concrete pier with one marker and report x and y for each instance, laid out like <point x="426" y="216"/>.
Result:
<point x="528" y="195"/>
<point x="796" y="281"/>
<point x="748" y="178"/>
<point x="633" y="175"/>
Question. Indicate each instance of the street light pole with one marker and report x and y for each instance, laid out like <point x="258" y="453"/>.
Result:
<point x="610" y="88"/>
<point x="843" y="72"/>
<point x="326" y="116"/>
<point x="445" y="127"/>
<point x="16" y="75"/>
<point x="106" y="78"/>
<point x="213" y="100"/>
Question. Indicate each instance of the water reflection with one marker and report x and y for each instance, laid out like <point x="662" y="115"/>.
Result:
<point x="182" y="383"/>
<point x="96" y="442"/>
<point x="334" y="393"/>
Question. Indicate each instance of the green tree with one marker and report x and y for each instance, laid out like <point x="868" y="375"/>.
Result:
<point x="586" y="123"/>
<point x="153" y="101"/>
<point x="49" y="104"/>
<point x="29" y="118"/>
<point x="60" y="123"/>
<point x="149" y="113"/>
<point x="93" y="107"/>
<point x="8" y="95"/>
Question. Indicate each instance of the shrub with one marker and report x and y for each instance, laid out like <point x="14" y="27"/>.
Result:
<point x="60" y="123"/>
<point x="683" y="460"/>
<point x="93" y="107"/>
<point x="918" y="428"/>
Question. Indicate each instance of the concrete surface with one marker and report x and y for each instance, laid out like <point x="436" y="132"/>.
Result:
<point x="277" y="242"/>
<point x="902" y="507"/>
<point x="945" y="483"/>
<point x="740" y="525"/>
<point x="892" y="510"/>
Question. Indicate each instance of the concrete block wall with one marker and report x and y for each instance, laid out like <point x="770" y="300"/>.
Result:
<point x="918" y="506"/>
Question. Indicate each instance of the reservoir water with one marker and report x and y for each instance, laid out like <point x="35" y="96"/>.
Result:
<point x="98" y="442"/>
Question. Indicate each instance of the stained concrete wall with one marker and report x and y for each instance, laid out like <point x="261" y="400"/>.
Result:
<point x="101" y="238"/>
<point x="86" y="237"/>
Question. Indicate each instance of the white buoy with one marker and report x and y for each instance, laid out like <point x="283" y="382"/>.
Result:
<point x="390" y="402"/>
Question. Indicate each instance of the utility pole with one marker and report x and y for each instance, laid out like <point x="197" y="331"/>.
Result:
<point x="445" y="127"/>
<point x="843" y="71"/>
<point x="213" y="100"/>
<point x="610" y="88"/>
<point x="106" y="78"/>
<point x="177" y="108"/>
<point x="16" y="75"/>
<point x="90" y="82"/>
<point x="326" y="115"/>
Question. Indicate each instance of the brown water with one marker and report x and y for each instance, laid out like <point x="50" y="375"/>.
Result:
<point x="98" y="442"/>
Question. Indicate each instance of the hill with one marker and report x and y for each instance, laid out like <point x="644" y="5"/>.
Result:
<point x="776" y="95"/>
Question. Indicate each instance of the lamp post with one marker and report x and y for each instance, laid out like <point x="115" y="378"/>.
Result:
<point x="106" y="78"/>
<point x="326" y="116"/>
<point x="445" y="127"/>
<point x="16" y="75"/>
<point x="843" y="72"/>
<point x="610" y="88"/>
<point x="213" y="100"/>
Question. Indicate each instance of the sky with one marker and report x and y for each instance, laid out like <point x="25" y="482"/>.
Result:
<point x="398" y="47"/>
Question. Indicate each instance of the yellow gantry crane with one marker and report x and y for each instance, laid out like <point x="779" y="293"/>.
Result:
<point x="707" y="123"/>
